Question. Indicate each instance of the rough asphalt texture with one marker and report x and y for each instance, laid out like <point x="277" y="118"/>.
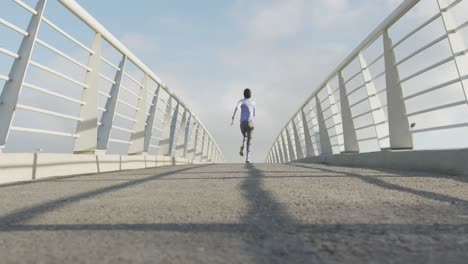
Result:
<point x="298" y="213"/>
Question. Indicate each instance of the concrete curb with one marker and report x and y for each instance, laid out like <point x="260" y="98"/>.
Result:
<point x="31" y="166"/>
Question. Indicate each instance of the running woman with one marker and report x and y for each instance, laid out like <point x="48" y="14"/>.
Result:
<point x="247" y="107"/>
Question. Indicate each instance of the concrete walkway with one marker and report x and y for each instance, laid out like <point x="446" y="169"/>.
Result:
<point x="298" y="213"/>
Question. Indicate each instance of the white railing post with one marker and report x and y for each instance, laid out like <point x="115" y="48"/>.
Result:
<point x="275" y="151"/>
<point x="166" y="135"/>
<point x="87" y="128"/>
<point x="325" y="145"/>
<point x="204" y="147"/>
<point x="270" y="153"/>
<point x="210" y="151"/>
<point x="12" y="87"/>
<point x="307" y="137"/>
<point x="107" y="118"/>
<point x="188" y="135"/>
<point x="194" y="149"/>
<point x="202" y="152"/>
<point x="180" y="137"/>
<point x="173" y="130"/>
<point x="316" y="133"/>
<point x="137" y="139"/>
<point x="457" y="45"/>
<point x="279" y="148"/>
<point x="349" y="133"/>
<point x="292" y="154"/>
<point x="378" y="114"/>
<point x="207" y="148"/>
<point x="213" y="152"/>
<point x="275" y="154"/>
<point x="286" y="143"/>
<point x="285" y="149"/>
<point x="299" y="151"/>
<point x="278" y="151"/>
<point x="150" y="120"/>
<point x="202" y="143"/>
<point x="334" y="111"/>
<point x="398" y="125"/>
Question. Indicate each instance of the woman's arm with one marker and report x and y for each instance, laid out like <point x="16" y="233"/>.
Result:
<point x="234" y="114"/>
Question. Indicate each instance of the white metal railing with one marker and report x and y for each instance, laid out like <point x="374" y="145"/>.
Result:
<point x="361" y="108"/>
<point x="156" y="121"/>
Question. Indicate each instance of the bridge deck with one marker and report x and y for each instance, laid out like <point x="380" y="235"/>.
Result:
<point x="239" y="214"/>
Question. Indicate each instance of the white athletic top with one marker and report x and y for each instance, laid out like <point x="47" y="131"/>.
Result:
<point x="247" y="107"/>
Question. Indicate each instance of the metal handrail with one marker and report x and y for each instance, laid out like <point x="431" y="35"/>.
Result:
<point x="396" y="121"/>
<point x="15" y="80"/>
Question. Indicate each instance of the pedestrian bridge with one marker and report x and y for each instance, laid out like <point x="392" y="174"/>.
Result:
<point x="101" y="162"/>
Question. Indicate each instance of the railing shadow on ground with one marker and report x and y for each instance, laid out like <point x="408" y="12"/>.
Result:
<point x="379" y="229"/>
<point x="390" y="186"/>
<point x="38" y="209"/>
<point x="271" y="228"/>
<point x="409" y="173"/>
<point x="308" y="175"/>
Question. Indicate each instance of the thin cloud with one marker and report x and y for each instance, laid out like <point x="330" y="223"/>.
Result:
<point x="279" y="19"/>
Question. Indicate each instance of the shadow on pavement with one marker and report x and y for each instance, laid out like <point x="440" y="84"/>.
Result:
<point x="390" y="186"/>
<point x="273" y="233"/>
<point x="28" y="213"/>
<point x="416" y="229"/>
